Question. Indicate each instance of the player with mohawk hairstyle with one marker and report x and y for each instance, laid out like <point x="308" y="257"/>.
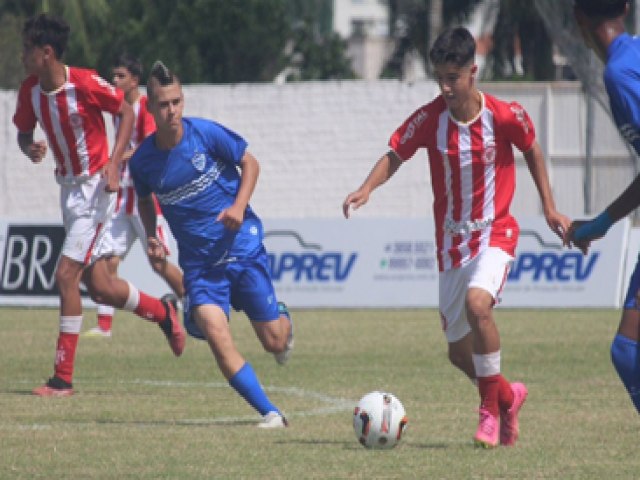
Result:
<point x="203" y="176"/>
<point x="602" y="26"/>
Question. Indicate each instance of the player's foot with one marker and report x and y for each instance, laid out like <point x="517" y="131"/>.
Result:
<point x="171" y="325"/>
<point x="509" y="418"/>
<point x="488" y="432"/>
<point x="55" y="387"/>
<point x="283" y="356"/>
<point x="97" y="332"/>
<point x="273" y="420"/>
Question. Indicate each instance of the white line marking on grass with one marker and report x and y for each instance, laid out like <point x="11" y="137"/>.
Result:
<point x="332" y="404"/>
<point x="335" y="404"/>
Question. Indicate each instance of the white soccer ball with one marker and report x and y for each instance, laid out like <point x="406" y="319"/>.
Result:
<point x="379" y="420"/>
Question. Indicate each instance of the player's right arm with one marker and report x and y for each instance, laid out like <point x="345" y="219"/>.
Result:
<point x="32" y="149"/>
<point x="382" y="171"/>
<point x="148" y="217"/>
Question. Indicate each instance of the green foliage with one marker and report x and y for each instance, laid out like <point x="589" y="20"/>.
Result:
<point x="204" y="41"/>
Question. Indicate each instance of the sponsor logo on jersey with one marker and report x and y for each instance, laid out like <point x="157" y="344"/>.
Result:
<point x="418" y="120"/>
<point x="518" y="111"/>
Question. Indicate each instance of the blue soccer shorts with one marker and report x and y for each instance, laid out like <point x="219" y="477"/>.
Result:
<point x="243" y="284"/>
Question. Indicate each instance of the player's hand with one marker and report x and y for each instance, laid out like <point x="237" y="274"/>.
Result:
<point x="559" y="224"/>
<point x="231" y="217"/>
<point x="155" y="249"/>
<point x="354" y="201"/>
<point x="113" y="177"/>
<point x="37" y="150"/>
<point x="582" y="242"/>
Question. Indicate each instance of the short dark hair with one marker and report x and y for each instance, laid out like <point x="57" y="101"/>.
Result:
<point x="160" y="73"/>
<point x="44" y="29"/>
<point x="131" y="63"/>
<point x="602" y="8"/>
<point x="454" y="45"/>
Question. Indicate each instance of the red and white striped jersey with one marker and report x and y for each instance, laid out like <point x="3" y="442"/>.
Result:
<point x="472" y="174"/>
<point x="71" y="117"/>
<point x="143" y="126"/>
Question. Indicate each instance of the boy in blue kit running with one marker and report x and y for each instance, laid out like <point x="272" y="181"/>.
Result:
<point x="192" y="165"/>
<point x="601" y="23"/>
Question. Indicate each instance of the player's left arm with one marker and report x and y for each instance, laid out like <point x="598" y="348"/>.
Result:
<point x="123" y="135"/>
<point x="558" y="222"/>
<point x="233" y="216"/>
<point x="624" y="97"/>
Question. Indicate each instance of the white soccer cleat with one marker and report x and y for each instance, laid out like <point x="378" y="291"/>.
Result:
<point x="97" y="332"/>
<point x="273" y="420"/>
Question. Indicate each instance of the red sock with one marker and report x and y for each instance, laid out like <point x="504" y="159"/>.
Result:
<point x="65" y="355"/>
<point x="150" y="308"/>
<point x="489" y="388"/>
<point x="104" y="322"/>
<point x="505" y="395"/>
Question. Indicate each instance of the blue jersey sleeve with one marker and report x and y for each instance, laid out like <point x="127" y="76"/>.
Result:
<point x="223" y="143"/>
<point x="623" y="88"/>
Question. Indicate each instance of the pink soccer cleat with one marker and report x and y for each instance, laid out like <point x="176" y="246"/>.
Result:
<point x="509" y="428"/>
<point x="488" y="432"/>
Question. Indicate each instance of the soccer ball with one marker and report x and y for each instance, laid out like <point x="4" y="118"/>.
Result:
<point x="379" y="420"/>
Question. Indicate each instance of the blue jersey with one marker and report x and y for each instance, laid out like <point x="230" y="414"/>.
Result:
<point x="194" y="181"/>
<point x="622" y="80"/>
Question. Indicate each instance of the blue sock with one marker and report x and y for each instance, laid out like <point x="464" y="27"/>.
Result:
<point x="624" y="355"/>
<point x="247" y="385"/>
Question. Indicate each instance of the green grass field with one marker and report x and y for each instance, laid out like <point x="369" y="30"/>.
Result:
<point x="139" y="413"/>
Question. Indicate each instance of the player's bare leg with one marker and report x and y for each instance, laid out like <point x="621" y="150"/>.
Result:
<point x="496" y="393"/>
<point x="109" y="289"/>
<point x="68" y="275"/>
<point x="212" y="322"/>
<point x="170" y="273"/>
<point x="460" y="355"/>
<point x="105" y="312"/>
<point x="276" y="336"/>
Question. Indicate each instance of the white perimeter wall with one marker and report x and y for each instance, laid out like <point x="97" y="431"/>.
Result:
<point x="317" y="141"/>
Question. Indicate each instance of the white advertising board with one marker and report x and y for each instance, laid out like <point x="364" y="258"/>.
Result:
<point x="544" y="274"/>
<point x="356" y="263"/>
<point x="353" y="263"/>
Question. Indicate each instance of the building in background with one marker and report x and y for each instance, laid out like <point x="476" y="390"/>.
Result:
<point x="365" y="26"/>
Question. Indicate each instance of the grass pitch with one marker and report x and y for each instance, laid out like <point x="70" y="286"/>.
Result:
<point x="140" y="413"/>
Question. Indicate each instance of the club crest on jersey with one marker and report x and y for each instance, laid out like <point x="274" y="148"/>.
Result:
<point x="75" y="119"/>
<point x="489" y="153"/>
<point x="198" y="161"/>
